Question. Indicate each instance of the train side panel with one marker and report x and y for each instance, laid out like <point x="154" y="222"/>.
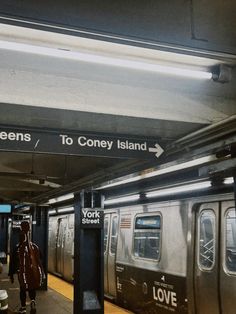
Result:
<point x="151" y="258"/>
<point x="214" y="260"/>
<point x="68" y="269"/>
<point x="60" y="246"/>
<point x="52" y="243"/>
<point x="166" y="257"/>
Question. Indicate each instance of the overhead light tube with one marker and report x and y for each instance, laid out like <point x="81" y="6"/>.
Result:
<point x="65" y="210"/>
<point x="52" y="211"/>
<point x="229" y="180"/>
<point x="123" y="199"/>
<point x="173" y="168"/>
<point x="107" y="60"/>
<point x="179" y="189"/>
<point x="61" y="198"/>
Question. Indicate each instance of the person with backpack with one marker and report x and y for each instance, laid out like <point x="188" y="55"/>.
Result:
<point x="25" y="261"/>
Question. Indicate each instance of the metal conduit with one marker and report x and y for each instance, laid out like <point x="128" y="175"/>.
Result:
<point x="209" y="133"/>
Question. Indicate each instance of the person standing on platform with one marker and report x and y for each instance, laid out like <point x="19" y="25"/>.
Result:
<point x="25" y="261"/>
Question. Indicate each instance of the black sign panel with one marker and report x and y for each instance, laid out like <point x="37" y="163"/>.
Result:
<point x="161" y="293"/>
<point x="71" y="143"/>
<point x="91" y="218"/>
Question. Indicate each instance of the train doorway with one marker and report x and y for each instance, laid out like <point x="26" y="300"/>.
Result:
<point x="60" y="245"/>
<point x="215" y="258"/>
<point x="110" y="244"/>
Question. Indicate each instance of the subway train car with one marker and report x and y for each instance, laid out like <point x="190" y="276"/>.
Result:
<point x="61" y="246"/>
<point x="174" y="256"/>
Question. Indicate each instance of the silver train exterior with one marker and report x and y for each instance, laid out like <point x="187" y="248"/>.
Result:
<point x="165" y="257"/>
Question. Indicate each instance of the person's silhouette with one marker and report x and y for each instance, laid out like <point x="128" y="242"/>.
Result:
<point x="25" y="261"/>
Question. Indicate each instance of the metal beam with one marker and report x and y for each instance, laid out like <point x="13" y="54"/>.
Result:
<point x="128" y="24"/>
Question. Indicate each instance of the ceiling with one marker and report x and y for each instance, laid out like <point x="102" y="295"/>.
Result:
<point x="39" y="88"/>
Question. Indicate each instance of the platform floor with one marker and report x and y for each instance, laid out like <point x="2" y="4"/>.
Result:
<point x="47" y="301"/>
<point x="66" y="290"/>
<point x="57" y="300"/>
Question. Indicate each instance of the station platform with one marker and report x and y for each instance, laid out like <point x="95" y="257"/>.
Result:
<point x="57" y="299"/>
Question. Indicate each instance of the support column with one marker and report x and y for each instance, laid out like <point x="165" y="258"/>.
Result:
<point x="88" y="254"/>
<point x="40" y="236"/>
<point x="3" y="238"/>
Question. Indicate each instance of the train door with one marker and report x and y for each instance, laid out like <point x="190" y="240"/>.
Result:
<point x="110" y="245"/>
<point x="52" y="245"/>
<point x="228" y="258"/>
<point x="68" y="249"/>
<point x="61" y="226"/>
<point x="214" y="280"/>
<point x="106" y="233"/>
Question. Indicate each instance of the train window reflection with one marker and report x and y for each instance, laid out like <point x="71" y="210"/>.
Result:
<point x="147" y="237"/>
<point x="231" y="240"/>
<point x="206" y="256"/>
<point x="113" y="234"/>
<point x="105" y="233"/>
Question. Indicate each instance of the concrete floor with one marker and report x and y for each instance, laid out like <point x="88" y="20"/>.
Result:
<point x="47" y="301"/>
<point x="56" y="300"/>
<point x="66" y="290"/>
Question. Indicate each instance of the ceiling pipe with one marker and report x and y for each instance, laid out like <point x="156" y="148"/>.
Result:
<point x="216" y="127"/>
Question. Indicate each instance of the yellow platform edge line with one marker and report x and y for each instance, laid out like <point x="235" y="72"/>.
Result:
<point x="61" y="286"/>
<point x="67" y="290"/>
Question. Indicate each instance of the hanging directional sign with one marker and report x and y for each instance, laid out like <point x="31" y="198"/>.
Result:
<point x="77" y="143"/>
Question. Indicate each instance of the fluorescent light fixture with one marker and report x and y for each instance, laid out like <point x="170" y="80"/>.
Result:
<point x="123" y="199"/>
<point x="65" y="210"/>
<point x="52" y="211"/>
<point x="158" y="172"/>
<point x="25" y="208"/>
<point x="45" y="183"/>
<point x="106" y="60"/>
<point x="179" y="189"/>
<point x="61" y="198"/>
<point x="229" y="180"/>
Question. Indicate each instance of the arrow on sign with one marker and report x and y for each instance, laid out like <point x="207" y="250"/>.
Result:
<point x="157" y="149"/>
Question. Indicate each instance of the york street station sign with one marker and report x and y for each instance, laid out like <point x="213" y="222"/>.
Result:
<point x="77" y="143"/>
<point x="91" y="218"/>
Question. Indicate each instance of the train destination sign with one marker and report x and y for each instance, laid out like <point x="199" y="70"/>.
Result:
<point x="81" y="143"/>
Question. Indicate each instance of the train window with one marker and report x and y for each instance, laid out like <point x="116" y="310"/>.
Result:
<point x="147" y="237"/>
<point x="231" y="240"/>
<point x="105" y="234"/>
<point x="207" y="234"/>
<point x="113" y="234"/>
